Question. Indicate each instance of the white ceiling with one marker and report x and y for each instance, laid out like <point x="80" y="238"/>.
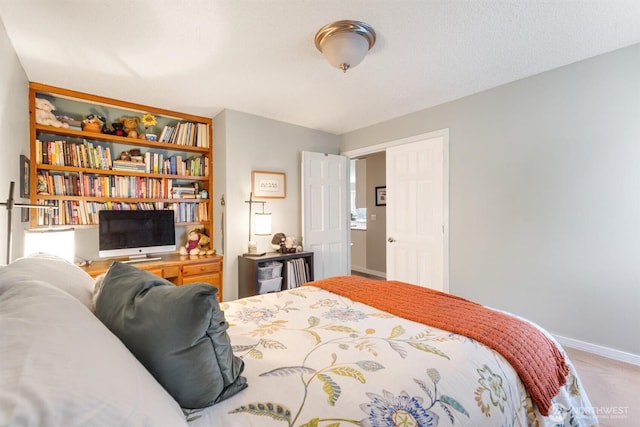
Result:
<point x="258" y="56"/>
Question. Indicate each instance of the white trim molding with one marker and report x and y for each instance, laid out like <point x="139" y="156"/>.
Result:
<point x="607" y="352"/>
<point x="371" y="149"/>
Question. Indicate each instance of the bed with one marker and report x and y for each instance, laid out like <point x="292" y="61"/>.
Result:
<point x="311" y="356"/>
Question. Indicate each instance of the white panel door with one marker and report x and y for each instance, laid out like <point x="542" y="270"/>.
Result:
<point x="415" y="213"/>
<point x="325" y="210"/>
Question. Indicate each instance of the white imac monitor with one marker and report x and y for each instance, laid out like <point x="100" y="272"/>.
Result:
<point x="136" y="233"/>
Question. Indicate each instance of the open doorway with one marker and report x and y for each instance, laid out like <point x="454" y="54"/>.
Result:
<point x="368" y="216"/>
<point x="411" y="215"/>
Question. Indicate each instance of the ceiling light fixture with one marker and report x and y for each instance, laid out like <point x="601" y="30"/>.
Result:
<point x="344" y="44"/>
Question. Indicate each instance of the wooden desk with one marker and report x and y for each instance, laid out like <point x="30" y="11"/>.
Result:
<point x="176" y="268"/>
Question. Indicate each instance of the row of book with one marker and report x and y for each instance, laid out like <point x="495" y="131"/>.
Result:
<point x="176" y="165"/>
<point x="88" y="185"/>
<point x="297" y="273"/>
<point x="82" y="155"/>
<point x="96" y="156"/>
<point x="73" y="212"/>
<point x="191" y="212"/>
<point x="85" y="185"/>
<point x="186" y="133"/>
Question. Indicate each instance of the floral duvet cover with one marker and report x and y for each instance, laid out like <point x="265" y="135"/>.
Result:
<point x="314" y="358"/>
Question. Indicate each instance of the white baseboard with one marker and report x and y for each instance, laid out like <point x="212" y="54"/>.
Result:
<point x="610" y="353"/>
<point x="367" y="271"/>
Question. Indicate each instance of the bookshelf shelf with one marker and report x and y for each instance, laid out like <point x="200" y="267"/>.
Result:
<point x="94" y="136"/>
<point x="120" y="199"/>
<point x="120" y="172"/>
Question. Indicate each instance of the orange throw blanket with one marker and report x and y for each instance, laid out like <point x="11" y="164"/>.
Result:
<point x="536" y="359"/>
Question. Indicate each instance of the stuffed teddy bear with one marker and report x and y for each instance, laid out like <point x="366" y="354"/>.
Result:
<point x="130" y="125"/>
<point x="191" y="247"/>
<point x="45" y="116"/>
<point x="197" y="244"/>
<point x="118" y="129"/>
<point x="204" y="245"/>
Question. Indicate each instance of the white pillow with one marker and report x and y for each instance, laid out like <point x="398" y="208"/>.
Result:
<point x="60" y="366"/>
<point x="58" y="272"/>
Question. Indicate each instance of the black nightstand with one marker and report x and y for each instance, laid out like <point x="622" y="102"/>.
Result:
<point x="249" y="274"/>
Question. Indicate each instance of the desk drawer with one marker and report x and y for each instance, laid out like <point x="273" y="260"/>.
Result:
<point x="171" y="272"/>
<point x="200" y="269"/>
<point x="164" y="272"/>
<point x="211" y="279"/>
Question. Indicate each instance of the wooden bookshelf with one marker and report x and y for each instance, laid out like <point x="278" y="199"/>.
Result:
<point x="72" y="168"/>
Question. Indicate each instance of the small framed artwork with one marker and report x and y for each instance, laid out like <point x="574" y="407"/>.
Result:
<point x="381" y="196"/>
<point x="24" y="176"/>
<point x="268" y="185"/>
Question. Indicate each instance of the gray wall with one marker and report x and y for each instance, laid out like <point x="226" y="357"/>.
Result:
<point x="255" y="143"/>
<point x="545" y="196"/>
<point x="14" y="138"/>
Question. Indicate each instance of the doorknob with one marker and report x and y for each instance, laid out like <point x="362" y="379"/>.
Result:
<point x="391" y="240"/>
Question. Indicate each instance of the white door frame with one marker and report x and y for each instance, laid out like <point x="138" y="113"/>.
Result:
<point x="444" y="134"/>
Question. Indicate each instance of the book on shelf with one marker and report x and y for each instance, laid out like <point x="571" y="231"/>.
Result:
<point x="167" y="134"/>
<point x="297" y="273"/>
<point x="128" y="165"/>
<point x="183" y="192"/>
<point x="186" y="133"/>
<point x="75" y="154"/>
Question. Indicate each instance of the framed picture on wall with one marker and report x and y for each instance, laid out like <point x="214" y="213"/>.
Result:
<point x="24" y="185"/>
<point x="24" y="176"/>
<point x="381" y="196"/>
<point x="268" y="185"/>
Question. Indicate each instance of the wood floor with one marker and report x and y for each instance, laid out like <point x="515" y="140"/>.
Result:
<point x="369" y="276"/>
<point x="613" y="388"/>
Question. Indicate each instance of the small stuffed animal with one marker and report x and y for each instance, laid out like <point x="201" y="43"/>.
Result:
<point x="197" y="243"/>
<point x="204" y="244"/>
<point x="45" y="116"/>
<point x="277" y="242"/>
<point x="191" y="248"/>
<point x="118" y="129"/>
<point x="92" y="123"/>
<point x="130" y="125"/>
<point x="73" y="123"/>
<point x="290" y="244"/>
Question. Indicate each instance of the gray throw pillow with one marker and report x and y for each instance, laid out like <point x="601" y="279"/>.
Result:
<point x="178" y="333"/>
